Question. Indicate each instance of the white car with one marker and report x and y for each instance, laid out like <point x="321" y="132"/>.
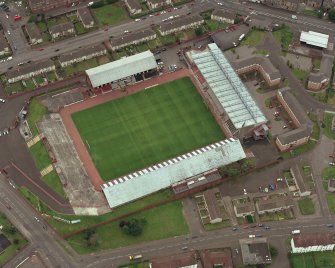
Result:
<point x="252" y="236"/>
<point x="2" y="100"/>
<point x="245" y="191"/>
<point x="137" y="20"/>
<point x="8" y="32"/>
<point x="220" y="4"/>
<point x="151" y="15"/>
<point x="279" y="179"/>
<point x="163" y="12"/>
<point x="126" y="31"/>
<point x="331" y="163"/>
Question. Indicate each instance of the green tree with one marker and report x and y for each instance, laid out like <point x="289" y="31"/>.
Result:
<point x="16" y="241"/>
<point x="111" y="1"/>
<point x="133" y="227"/>
<point x="10" y="230"/>
<point x="98" y="4"/>
<point x="233" y="172"/>
<point x="199" y="31"/>
<point x="331" y="14"/>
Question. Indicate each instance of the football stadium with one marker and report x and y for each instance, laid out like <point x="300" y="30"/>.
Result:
<point x="145" y="128"/>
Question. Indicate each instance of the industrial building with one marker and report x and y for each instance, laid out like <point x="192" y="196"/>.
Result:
<point x="162" y="175"/>
<point x="124" y="68"/>
<point x="314" y="39"/>
<point x="232" y="99"/>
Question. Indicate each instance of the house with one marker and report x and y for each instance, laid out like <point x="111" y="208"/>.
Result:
<point x="180" y="24"/>
<point x="29" y="70"/>
<point x="60" y="30"/>
<point x="133" y="6"/>
<point x="312" y="242"/>
<point x="321" y="80"/>
<point x="290" y="5"/>
<point x="243" y="207"/>
<point x="4" y="47"/>
<point x="331" y="185"/>
<point x="34" y="34"/>
<point x="299" y="181"/>
<point x="82" y="54"/>
<point x="255" y="251"/>
<point x="133" y="38"/>
<point x="217" y="258"/>
<point x="185" y="259"/>
<point x="260" y="64"/>
<point x="273" y="204"/>
<point x="222" y="15"/>
<point x="154" y="4"/>
<point x="85" y="16"/>
<point x="4" y="243"/>
<point x="212" y="206"/>
<point x="37" y="6"/>
<point x="303" y="125"/>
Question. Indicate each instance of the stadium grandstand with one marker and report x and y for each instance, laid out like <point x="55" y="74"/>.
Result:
<point x="124" y="71"/>
<point x="162" y="175"/>
<point x="231" y="97"/>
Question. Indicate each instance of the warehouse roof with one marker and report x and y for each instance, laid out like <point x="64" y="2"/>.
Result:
<point x="314" y="39"/>
<point x="228" y="87"/>
<point x="177" y="23"/>
<point x="33" y="31"/>
<point x="154" y="178"/>
<point x="81" y="52"/>
<point x="125" y="39"/>
<point x="122" y="68"/>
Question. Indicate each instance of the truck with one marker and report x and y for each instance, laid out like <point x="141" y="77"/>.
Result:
<point x="296" y="232"/>
<point x="136" y="257"/>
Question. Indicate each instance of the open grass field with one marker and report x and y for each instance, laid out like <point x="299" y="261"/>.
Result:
<point x="110" y="14"/>
<point x="162" y="222"/>
<point x="313" y="259"/>
<point x="328" y="118"/>
<point x="140" y="130"/>
<point x="306" y="206"/>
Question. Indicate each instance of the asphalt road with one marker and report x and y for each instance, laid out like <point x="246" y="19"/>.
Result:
<point x="41" y="237"/>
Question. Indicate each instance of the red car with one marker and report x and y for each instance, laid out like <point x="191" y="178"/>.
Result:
<point x="8" y="205"/>
<point x="17" y="17"/>
<point x="157" y="14"/>
<point x="41" y="49"/>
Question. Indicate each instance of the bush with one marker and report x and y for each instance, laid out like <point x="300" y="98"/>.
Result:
<point x="331" y="14"/>
<point x="33" y="18"/>
<point x="111" y="1"/>
<point x="199" y="31"/>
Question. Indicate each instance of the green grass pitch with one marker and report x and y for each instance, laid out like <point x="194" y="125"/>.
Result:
<point x="145" y="128"/>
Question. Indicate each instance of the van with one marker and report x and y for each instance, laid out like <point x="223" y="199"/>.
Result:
<point x="241" y="37"/>
<point x="296" y="232"/>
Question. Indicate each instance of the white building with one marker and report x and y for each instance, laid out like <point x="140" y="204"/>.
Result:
<point x="303" y="243"/>
<point x="314" y="39"/>
<point x="162" y="175"/>
<point x="121" y="69"/>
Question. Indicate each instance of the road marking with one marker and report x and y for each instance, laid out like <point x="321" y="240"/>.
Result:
<point x="22" y="262"/>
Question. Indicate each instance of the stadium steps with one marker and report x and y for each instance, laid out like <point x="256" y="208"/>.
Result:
<point x="47" y="170"/>
<point x="230" y="126"/>
<point x="34" y="140"/>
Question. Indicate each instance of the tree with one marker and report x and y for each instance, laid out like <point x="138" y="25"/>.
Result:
<point x="199" y="31"/>
<point x="88" y="233"/>
<point x="111" y="1"/>
<point x="10" y="230"/>
<point x="16" y="241"/>
<point x="233" y="172"/>
<point x="98" y="4"/>
<point x="133" y="227"/>
<point x="331" y="14"/>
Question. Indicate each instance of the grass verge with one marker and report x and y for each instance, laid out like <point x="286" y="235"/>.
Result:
<point x="162" y="222"/>
<point x="14" y="236"/>
<point x="306" y="206"/>
<point x="36" y="111"/>
<point x="88" y="221"/>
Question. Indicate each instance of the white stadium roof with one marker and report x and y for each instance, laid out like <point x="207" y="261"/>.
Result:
<point x="154" y="178"/>
<point x="314" y="39"/>
<point x="228" y="88"/>
<point x="122" y="68"/>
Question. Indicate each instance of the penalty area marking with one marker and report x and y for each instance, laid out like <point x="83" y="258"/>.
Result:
<point x="151" y="86"/>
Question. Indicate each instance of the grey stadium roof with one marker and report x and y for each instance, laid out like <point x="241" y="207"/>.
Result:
<point x="228" y="87"/>
<point x="122" y="68"/>
<point x="154" y="178"/>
